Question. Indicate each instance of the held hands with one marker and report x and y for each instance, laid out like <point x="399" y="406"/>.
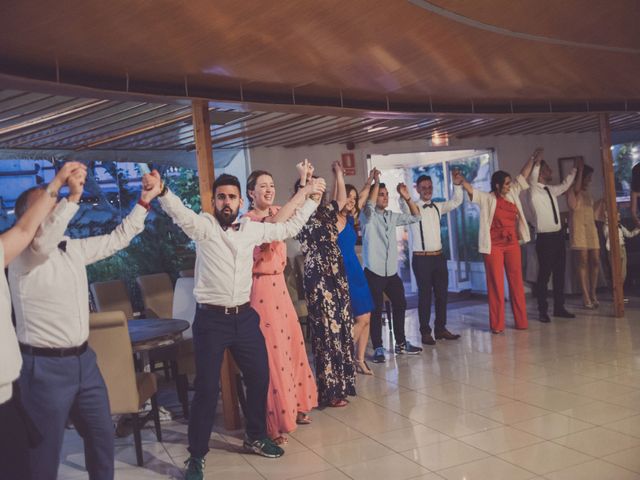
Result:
<point x="315" y="188"/>
<point x="403" y="191"/>
<point x="538" y="155"/>
<point x="76" y="183"/>
<point x="580" y="163"/>
<point x="151" y="186"/>
<point x="376" y="175"/>
<point x="337" y="168"/>
<point x="68" y="169"/>
<point x="457" y="177"/>
<point x="301" y="167"/>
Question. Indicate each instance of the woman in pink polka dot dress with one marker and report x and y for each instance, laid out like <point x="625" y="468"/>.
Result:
<point x="292" y="387"/>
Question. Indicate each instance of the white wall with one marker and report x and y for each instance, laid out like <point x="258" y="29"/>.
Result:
<point x="511" y="152"/>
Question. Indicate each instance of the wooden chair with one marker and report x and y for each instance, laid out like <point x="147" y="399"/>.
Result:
<point x="128" y="390"/>
<point x="157" y="294"/>
<point x="111" y="296"/>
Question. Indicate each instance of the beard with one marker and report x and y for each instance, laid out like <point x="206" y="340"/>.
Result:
<point x="226" y="216"/>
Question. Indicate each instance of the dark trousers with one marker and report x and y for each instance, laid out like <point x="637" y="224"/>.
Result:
<point x="550" y="248"/>
<point x="431" y="276"/>
<point x="394" y="289"/>
<point x="55" y="389"/>
<point x="14" y="439"/>
<point x="212" y="334"/>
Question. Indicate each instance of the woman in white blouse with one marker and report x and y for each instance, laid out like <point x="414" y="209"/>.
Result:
<point x="14" y="441"/>
<point x="502" y="228"/>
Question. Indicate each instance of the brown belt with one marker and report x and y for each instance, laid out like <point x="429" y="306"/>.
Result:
<point x="225" y="310"/>
<point x="428" y="254"/>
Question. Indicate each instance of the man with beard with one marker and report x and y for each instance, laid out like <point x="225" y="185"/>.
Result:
<point x="224" y="317"/>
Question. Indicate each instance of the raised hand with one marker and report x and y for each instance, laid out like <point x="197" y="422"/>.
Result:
<point x="316" y="186"/>
<point x="376" y="175"/>
<point x="537" y="155"/>
<point x="457" y="177"/>
<point x="580" y="163"/>
<point x="337" y="168"/>
<point x="302" y="168"/>
<point x="151" y="186"/>
<point x="76" y="181"/>
<point x="65" y="172"/>
<point x="403" y="191"/>
<point x="310" y="170"/>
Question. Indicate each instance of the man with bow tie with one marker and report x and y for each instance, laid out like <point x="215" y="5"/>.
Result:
<point x="428" y="262"/>
<point x="60" y="378"/>
<point x="224" y="317"/>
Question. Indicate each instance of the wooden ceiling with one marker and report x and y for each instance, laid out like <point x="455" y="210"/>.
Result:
<point x="423" y="56"/>
<point x="40" y="125"/>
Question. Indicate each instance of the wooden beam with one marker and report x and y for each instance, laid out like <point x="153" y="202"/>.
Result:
<point x="612" y="214"/>
<point x="206" y="176"/>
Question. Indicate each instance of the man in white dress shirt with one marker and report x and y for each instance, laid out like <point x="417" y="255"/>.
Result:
<point x="60" y="378"/>
<point x="428" y="262"/>
<point x="18" y="431"/>
<point x="550" y="236"/>
<point x="224" y="318"/>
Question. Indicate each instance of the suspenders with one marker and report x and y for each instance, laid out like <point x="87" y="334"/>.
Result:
<point x="424" y="249"/>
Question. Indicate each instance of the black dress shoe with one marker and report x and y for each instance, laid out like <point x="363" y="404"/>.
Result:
<point x="447" y="335"/>
<point x="562" y="313"/>
<point x="544" y="318"/>
<point x="427" y="339"/>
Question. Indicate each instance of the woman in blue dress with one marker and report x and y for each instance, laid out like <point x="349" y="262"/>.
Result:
<point x="361" y="301"/>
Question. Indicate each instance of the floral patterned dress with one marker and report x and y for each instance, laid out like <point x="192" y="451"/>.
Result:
<point x="329" y="306"/>
<point x="292" y="388"/>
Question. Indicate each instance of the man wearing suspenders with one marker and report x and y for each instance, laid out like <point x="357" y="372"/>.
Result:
<point x="428" y="262"/>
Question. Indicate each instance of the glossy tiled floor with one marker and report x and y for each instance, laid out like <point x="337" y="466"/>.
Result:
<point x="559" y="401"/>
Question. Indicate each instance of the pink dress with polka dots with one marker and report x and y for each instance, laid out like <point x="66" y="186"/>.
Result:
<point x="292" y="387"/>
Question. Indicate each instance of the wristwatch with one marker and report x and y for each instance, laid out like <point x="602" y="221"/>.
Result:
<point x="51" y="192"/>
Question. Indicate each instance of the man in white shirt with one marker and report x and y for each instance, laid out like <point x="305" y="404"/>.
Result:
<point x="60" y="378"/>
<point x="428" y="263"/>
<point x="224" y="318"/>
<point x="550" y="236"/>
<point x="18" y="431"/>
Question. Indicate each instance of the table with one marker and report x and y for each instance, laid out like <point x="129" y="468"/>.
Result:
<point x="152" y="333"/>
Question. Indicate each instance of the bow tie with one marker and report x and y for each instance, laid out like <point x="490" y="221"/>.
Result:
<point x="233" y="226"/>
<point x="430" y="205"/>
<point x="63" y="246"/>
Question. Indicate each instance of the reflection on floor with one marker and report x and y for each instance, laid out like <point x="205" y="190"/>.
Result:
<point x="559" y="401"/>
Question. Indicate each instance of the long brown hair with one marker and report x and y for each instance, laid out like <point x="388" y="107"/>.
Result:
<point x="348" y="187"/>
<point x="251" y="183"/>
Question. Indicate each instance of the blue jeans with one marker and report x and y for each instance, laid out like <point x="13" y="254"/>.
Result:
<point x="56" y="389"/>
<point x="212" y="334"/>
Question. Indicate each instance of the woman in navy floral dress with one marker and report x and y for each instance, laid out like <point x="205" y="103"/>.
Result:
<point x="329" y="305"/>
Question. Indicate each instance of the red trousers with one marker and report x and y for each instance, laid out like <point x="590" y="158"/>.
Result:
<point x="501" y="259"/>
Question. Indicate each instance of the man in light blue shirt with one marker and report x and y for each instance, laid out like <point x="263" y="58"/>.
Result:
<point x="380" y="258"/>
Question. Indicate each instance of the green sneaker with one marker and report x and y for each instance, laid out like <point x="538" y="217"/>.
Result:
<point x="264" y="447"/>
<point x="195" y="468"/>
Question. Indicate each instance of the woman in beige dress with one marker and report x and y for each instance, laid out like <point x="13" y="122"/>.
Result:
<point x="584" y="235"/>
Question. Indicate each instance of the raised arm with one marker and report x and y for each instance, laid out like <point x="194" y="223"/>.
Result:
<point x="404" y="218"/>
<point x="194" y="226"/>
<point x="536" y="157"/>
<point x="458" y="195"/>
<point x="566" y="183"/>
<point x="271" y="232"/>
<point x="577" y="185"/>
<point x="17" y="238"/>
<point x="373" y="193"/>
<point x="363" y="196"/>
<point x="96" y="248"/>
<point x="315" y="186"/>
<point x="339" y="187"/>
